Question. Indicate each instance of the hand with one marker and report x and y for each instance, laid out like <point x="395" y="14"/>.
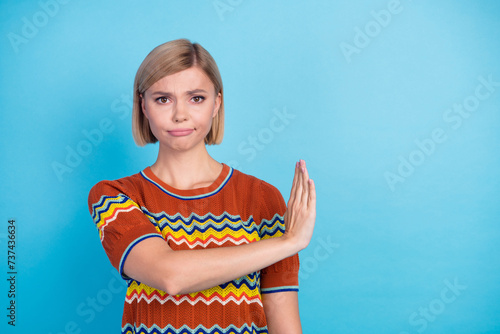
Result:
<point x="300" y="215"/>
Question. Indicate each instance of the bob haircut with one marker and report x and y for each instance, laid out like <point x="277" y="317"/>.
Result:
<point x="166" y="59"/>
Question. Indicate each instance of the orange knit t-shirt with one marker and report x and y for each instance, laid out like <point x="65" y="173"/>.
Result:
<point x="235" y="209"/>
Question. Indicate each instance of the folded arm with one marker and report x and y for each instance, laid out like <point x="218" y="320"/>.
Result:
<point x="154" y="263"/>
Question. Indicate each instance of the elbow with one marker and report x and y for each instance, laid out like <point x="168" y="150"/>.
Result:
<point x="173" y="279"/>
<point x="172" y="289"/>
<point x="172" y="286"/>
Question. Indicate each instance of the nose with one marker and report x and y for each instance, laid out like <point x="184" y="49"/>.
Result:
<point x="180" y="113"/>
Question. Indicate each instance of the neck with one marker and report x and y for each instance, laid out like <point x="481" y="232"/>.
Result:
<point x="186" y="170"/>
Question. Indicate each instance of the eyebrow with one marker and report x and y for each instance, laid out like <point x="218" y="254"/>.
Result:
<point x="189" y="92"/>
<point x="196" y="91"/>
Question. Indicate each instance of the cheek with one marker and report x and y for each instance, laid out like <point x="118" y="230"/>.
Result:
<point x="153" y="128"/>
<point x="155" y="122"/>
<point x="207" y="122"/>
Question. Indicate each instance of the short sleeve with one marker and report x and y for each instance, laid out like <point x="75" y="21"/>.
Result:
<point x="119" y="220"/>
<point x="283" y="275"/>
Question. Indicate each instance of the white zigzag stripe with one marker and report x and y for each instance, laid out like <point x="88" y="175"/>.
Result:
<point x="207" y="242"/>
<point x="197" y="300"/>
<point x="113" y="217"/>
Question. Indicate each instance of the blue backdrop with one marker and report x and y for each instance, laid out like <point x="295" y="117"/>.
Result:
<point x="395" y="106"/>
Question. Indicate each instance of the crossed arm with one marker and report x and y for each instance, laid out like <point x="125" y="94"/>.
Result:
<point x="186" y="271"/>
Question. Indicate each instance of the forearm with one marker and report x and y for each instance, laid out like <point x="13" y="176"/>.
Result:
<point x="186" y="271"/>
<point x="282" y="312"/>
<point x="202" y="269"/>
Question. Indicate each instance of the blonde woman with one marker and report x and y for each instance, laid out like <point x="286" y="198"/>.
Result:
<point x="203" y="247"/>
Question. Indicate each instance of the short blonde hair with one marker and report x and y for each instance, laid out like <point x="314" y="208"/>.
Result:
<point x="166" y="59"/>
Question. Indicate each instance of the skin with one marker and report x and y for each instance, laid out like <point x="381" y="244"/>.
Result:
<point x="187" y="100"/>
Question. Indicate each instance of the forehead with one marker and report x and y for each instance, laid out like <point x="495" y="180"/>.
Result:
<point x="185" y="80"/>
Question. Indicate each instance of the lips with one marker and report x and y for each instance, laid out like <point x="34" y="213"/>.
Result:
<point x="180" y="132"/>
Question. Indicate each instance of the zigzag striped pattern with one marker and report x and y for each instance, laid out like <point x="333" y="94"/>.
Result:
<point x="203" y="230"/>
<point x="107" y="209"/>
<point x="244" y="289"/>
<point x="233" y="307"/>
<point x="272" y="228"/>
<point x="216" y="329"/>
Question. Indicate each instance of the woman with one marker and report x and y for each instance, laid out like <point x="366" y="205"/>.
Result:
<point x="203" y="247"/>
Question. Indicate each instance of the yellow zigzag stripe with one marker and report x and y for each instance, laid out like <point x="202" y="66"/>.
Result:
<point x="112" y="208"/>
<point x="210" y="232"/>
<point x="238" y="292"/>
<point x="179" y="221"/>
<point x="111" y="214"/>
<point x="276" y="234"/>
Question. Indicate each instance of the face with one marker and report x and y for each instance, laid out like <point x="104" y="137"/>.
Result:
<point x="180" y="109"/>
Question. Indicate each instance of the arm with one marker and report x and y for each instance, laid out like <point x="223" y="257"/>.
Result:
<point x="186" y="271"/>
<point x="282" y="312"/>
<point x="180" y="272"/>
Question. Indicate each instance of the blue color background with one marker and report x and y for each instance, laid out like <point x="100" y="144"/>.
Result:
<point x="408" y="222"/>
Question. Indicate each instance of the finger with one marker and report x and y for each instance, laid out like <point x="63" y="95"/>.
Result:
<point x="312" y="195"/>
<point x="300" y="183"/>
<point x="304" y="181"/>
<point x="294" y="184"/>
<point x="305" y="171"/>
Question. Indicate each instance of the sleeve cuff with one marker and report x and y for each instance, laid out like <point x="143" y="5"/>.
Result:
<point x="280" y="289"/>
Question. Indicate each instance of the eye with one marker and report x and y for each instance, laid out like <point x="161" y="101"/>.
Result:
<point x="198" y="99"/>
<point x="162" y="99"/>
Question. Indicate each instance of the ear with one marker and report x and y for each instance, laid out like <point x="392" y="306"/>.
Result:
<point x="218" y="101"/>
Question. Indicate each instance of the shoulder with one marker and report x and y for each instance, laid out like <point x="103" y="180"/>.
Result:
<point x="247" y="180"/>
<point x="126" y="186"/>
<point x="265" y="191"/>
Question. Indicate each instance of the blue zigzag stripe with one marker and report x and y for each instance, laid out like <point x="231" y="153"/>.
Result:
<point x="252" y="281"/>
<point x="97" y="211"/>
<point x="270" y="227"/>
<point x="245" y="329"/>
<point x="198" y="223"/>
